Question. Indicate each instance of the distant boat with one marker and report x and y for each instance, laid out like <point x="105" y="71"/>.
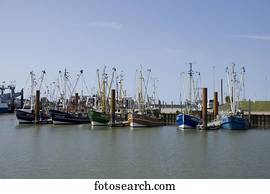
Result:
<point x="146" y="115"/>
<point x="144" y="120"/>
<point x="4" y="108"/>
<point x="185" y="121"/>
<point x="62" y="117"/>
<point x="69" y="111"/>
<point x="98" y="118"/>
<point x="234" y="120"/>
<point x="27" y="114"/>
<point x="8" y="100"/>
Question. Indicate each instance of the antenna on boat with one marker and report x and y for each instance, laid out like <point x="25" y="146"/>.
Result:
<point x="140" y="90"/>
<point x="33" y="84"/>
<point x="155" y="96"/>
<point x="190" y="73"/>
<point x="242" y="84"/>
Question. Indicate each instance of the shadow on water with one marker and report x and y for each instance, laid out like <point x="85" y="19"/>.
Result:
<point x="27" y="126"/>
<point x="98" y="128"/>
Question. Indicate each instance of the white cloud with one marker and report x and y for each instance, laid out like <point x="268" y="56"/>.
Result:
<point x="257" y="37"/>
<point x="111" y="25"/>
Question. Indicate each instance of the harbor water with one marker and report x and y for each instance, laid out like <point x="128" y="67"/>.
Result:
<point x="79" y="151"/>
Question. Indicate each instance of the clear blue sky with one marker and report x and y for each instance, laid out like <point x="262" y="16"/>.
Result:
<point x="161" y="34"/>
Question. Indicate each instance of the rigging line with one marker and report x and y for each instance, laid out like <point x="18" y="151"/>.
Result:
<point x="146" y="85"/>
<point x="84" y="82"/>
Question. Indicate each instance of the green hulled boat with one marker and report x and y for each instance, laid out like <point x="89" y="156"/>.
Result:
<point x="98" y="118"/>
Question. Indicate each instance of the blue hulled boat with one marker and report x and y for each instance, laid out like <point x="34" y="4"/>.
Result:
<point x="4" y="107"/>
<point x="234" y="122"/>
<point x="185" y="121"/>
<point x="235" y="119"/>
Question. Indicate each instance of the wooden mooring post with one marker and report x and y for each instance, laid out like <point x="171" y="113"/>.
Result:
<point x="37" y="107"/>
<point x="204" y="107"/>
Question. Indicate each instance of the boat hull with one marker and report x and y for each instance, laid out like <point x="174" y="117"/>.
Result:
<point x="185" y="121"/>
<point x="94" y="123"/>
<point x="234" y="122"/>
<point x="61" y="117"/>
<point x="144" y="121"/>
<point x="25" y="115"/>
<point x="4" y="108"/>
<point x="98" y="118"/>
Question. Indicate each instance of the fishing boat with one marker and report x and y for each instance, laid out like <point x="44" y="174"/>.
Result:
<point x="99" y="115"/>
<point x="144" y="120"/>
<point x="62" y="117"/>
<point x="28" y="113"/>
<point x="98" y="118"/>
<point x="4" y="108"/>
<point x="26" y="116"/>
<point x="8" y="101"/>
<point x="69" y="111"/>
<point x="145" y="115"/>
<point x="234" y="119"/>
<point x="186" y="120"/>
<point x="234" y="122"/>
<point x="4" y="101"/>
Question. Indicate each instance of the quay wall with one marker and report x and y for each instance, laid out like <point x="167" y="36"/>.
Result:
<point x="256" y="119"/>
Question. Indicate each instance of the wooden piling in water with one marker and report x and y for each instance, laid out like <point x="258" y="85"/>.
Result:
<point x="204" y="107"/>
<point x="221" y="91"/>
<point x="37" y="107"/>
<point x="215" y="105"/>
<point x="21" y="99"/>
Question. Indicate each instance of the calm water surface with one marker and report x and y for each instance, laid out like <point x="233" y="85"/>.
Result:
<point x="50" y="151"/>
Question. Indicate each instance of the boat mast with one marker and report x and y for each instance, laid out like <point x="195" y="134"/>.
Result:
<point x="232" y="83"/>
<point x="146" y="85"/>
<point x="65" y="89"/>
<point x="42" y="79"/>
<point x="121" y="85"/>
<point x="242" y="83"/>
<point x="76" y="83"/>
<point x="190" y="73"/>
<point x="103" y="97"/>
<point x="234" y="89"/>
<point x="140" y="96"/>
<point x="110" y="86"/>
<point x="60" y="87"/>
<point x="154" y="91"/>
<point x="32" y="100"/>
<point x="196" y="87"/>
<point x="117" y="89"/>
<point x="99" y="84"/>
<point x="229" y="80"/>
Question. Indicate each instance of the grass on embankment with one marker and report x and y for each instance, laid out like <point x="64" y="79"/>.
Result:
<point x="256" y="106"/>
